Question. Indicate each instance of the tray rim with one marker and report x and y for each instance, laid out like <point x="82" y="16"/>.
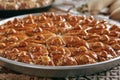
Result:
<point x="55" y="68"/>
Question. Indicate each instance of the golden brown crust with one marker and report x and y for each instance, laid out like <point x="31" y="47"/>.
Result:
<point x="59" y="40"/>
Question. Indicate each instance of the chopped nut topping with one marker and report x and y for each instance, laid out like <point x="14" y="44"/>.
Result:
<point x="59" y="40"/>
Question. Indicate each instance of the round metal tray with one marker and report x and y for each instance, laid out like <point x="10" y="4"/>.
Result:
<point x="10" y="13"/>
<point x="59" y="71"/>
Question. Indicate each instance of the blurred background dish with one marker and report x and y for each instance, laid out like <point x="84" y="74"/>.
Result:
<point x="9" y="8"/>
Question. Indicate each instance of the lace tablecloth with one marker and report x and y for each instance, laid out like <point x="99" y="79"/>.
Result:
<point x="63" y="6"/>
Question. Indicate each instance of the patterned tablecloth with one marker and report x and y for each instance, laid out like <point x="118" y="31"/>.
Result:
<point x="63" y="6"/>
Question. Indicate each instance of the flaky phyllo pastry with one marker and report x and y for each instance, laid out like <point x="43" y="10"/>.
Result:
<point x="59" y="40"/>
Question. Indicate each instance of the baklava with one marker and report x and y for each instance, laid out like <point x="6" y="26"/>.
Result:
<point x="59" y="40"/>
